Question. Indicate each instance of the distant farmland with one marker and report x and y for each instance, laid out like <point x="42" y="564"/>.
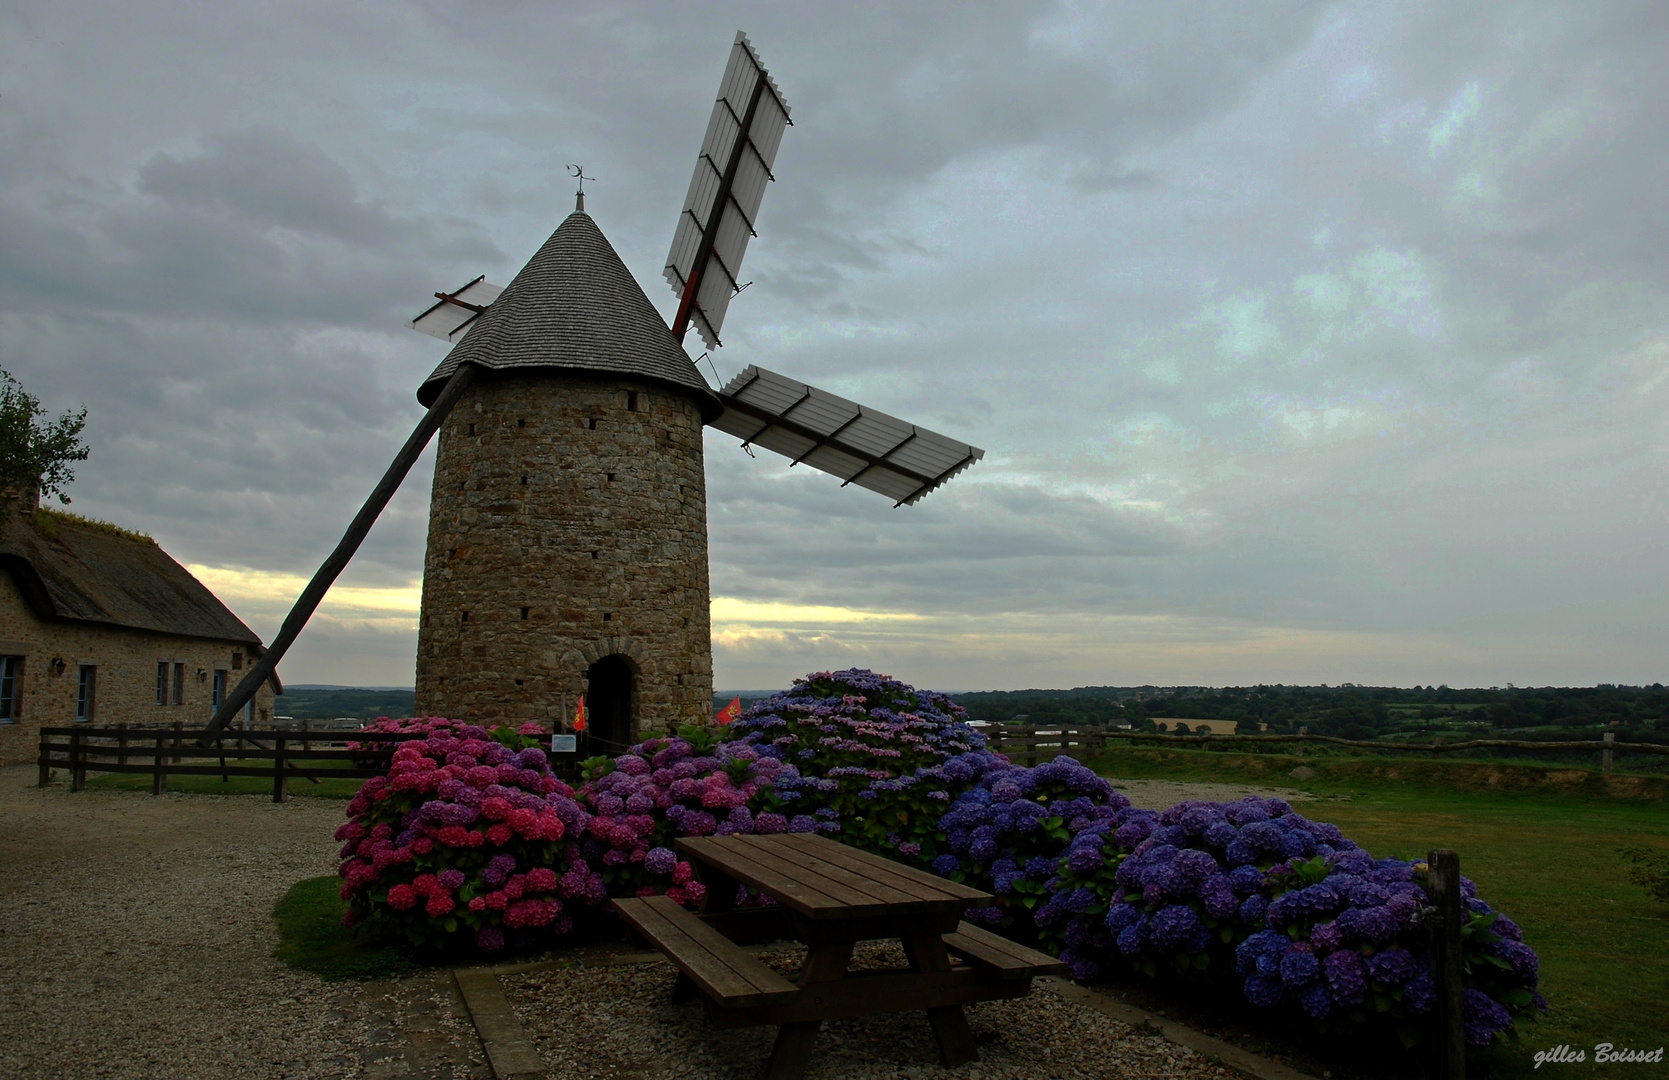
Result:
<point x="325" y="703"/>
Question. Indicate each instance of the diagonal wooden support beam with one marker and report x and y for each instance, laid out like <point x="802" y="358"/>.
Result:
<point x="310" y="597"/>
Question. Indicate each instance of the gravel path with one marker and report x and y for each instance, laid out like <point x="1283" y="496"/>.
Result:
<point x="136" y="939"/>
<point x="595" y="1021"/>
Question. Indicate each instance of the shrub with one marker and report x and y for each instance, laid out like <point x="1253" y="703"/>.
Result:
<point x="1290" y="909"/>
<point x="468" y="836"/>
<point x="665" y="788"/>
<point x="1007" y="830"/>
<point x="875" y="760"/>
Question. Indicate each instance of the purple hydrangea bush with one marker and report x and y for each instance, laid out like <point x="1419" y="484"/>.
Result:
<point x="874" y="760"/>
<point x="1293" y="911"/>
<point x="661" y="789"/>
<point x="1006" y="830"/>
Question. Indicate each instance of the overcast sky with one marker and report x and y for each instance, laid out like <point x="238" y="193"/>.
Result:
<point x="1307" y="343"/>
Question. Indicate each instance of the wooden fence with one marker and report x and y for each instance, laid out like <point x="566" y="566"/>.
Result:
<point x="1028" y="745"/>
<point x="281" y="755"/>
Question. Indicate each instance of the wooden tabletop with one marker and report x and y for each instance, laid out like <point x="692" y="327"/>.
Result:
<point x="822" y="879"/>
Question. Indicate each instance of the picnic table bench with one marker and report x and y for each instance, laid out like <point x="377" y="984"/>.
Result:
<point x="830" y="897"/>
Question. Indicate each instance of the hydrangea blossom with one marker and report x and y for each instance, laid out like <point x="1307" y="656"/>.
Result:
<point x="467" y="833"/>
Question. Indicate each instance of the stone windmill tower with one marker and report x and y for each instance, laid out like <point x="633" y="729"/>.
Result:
<point x="567" y="546"/>
<point x="567" y="549"/>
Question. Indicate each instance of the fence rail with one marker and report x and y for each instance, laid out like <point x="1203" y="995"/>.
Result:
<point x="278" y="754"/>
<point x="1025" y="745"/>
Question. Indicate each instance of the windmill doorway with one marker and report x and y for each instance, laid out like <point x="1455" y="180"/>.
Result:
<point x="610" y="687"/>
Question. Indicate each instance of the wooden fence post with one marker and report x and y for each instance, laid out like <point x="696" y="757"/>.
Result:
<point x="1606" y="751"/>
<point x="178" y="725"/>
<point x="278" y="769"/>
<point x="45" y="763"/>
<point x="1303" y="731"/>
<point x="75" y="761"/>
<point x="159" y="779"/>
<point x="306" y="743"/>
<point x="1443" y="886"/>
<point x="121" y="744"/>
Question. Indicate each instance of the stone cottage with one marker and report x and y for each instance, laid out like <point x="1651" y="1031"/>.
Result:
<point x="98" y="625"/>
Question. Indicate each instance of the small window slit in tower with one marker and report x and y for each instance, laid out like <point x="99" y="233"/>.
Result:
<point x="593" y="554"/>
<point x="524" y="481"/>
<point x="631" y="401"/>
<point x="466" y="617"/>
<point x="521" y="422"/>
<point x="608" y="616"/>
<point x="592" y="423"/>
<point x="472" y="429"/>
<point x="524" y="613"/>
<point x="611" y="478"/>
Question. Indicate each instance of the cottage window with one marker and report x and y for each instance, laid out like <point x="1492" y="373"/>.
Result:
<point x="237" y="660"/>
<point x="162" y="682"/>
<point x="219" y="690"/>
<point x="179" y="684"/>
<point x="86" y="695"/>
<point x="11" y="688"/>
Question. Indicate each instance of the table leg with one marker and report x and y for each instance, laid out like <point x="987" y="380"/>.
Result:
<point x="792" y="1051"/>
<point x="721" y="888"/>
<point x="949" y="1022"/>
<point x="684" y="989"/>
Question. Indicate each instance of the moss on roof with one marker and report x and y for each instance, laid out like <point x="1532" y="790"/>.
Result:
<point x="46" y="521"/>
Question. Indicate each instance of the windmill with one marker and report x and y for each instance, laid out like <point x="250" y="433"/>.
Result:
<point x="567" y="548"/>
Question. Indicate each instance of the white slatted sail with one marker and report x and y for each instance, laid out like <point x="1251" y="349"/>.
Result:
<point x="858" y="444"/>
<point x="455" y="312"/>
<point x="723" y="201"/>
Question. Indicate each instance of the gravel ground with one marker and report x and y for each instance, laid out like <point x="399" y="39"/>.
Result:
<point x="1159" y="794"/>
<point x="136" y="939"/>
<point x="591" y="1021"/>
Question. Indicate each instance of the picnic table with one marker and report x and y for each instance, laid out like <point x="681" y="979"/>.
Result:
<point x="830" y="897"/>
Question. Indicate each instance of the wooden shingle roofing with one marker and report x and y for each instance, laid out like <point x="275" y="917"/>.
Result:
<point x="575" y="306"/>
<point x="74" y="570"/>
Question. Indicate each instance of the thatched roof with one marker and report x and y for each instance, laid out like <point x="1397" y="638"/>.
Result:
<point x="68" y="568"/>
<point x="575" y="306"/>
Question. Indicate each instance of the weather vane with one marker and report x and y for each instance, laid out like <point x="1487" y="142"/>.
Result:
<point x="579" y="196"/>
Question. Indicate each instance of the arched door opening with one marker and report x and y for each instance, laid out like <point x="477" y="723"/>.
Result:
<point x="608" y="698"/>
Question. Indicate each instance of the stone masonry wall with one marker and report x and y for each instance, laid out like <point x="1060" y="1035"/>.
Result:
<point x="568" y="522"/>
<point x="125" y="689"/>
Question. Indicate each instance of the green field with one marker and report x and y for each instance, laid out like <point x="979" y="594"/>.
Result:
<point x="1542" y="845"/>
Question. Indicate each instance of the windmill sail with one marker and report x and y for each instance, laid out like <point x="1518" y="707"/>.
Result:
<point x="723" y="201"/>
<point x="840" y="437"/>
<point x="455" y="312"/>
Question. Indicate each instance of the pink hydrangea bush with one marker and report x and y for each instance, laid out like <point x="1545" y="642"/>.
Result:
<point x="468" y="836"/>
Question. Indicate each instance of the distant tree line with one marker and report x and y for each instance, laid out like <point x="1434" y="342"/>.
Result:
<point x="1347" y="711"/>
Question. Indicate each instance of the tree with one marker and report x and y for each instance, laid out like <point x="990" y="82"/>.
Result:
<point x="35" y="456"/>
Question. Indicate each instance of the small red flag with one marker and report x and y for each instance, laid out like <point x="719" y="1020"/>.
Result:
<point x="579" y="715"/>
<point x="730" y="712"/>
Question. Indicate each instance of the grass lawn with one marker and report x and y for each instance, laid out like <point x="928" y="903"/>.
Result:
<point x="312" y="938"/>
<point x="1542" y="846"/>
<point x="327" y="787"/>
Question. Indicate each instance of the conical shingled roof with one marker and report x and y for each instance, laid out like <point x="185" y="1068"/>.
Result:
<point x="575" y="306"/>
